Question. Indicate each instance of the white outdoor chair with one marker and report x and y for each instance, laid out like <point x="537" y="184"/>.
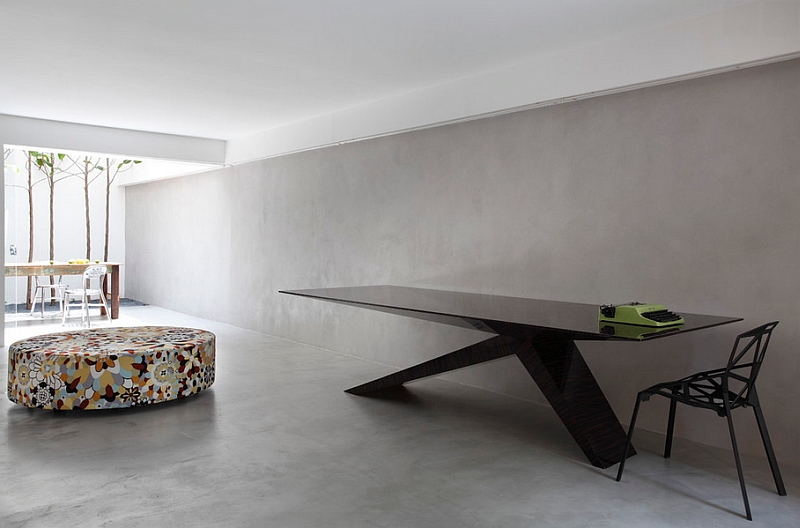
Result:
<point x="46" y="292"/>
<point x="85" y="294"/>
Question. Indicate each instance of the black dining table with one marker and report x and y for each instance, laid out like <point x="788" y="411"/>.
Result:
<point x="541" y="333"/>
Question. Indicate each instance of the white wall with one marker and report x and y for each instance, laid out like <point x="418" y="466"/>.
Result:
<point x="684" y="194"/>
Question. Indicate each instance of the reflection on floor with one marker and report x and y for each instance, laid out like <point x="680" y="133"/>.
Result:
<point x="19" y="312"/>
<point x="276" y="442"/>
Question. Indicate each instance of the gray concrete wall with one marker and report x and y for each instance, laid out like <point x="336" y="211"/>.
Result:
<point x="684" y="194"/>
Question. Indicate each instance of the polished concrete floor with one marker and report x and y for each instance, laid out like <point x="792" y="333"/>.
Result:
<point x="276" y="442"/>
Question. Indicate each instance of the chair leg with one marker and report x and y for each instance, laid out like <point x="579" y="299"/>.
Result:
<point x="738" y="465"/>
<point x="762" y="428"/>
<point x="61" y="303"/>
<point x="630" y="437"/>
<point x="85" y="309"/>
<point x="105" y="303"/>
<point x="673" y="404"/>
<point x="67" y="306"/>
<point x="33" y="302"/>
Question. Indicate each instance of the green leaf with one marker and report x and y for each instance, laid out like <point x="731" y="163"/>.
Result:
<point x="61" y="157"/>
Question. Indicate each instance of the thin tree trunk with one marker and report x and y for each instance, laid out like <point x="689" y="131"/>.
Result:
<point x="108" y="209"/>
<point x="52" y="182"/>
<point x="108" y="194"/>
<point x="52" y="201"/>
<point x="86" y="200"/>
<point x="30" y="230"/>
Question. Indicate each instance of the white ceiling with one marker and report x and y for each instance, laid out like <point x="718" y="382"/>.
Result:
<point x="225" y="69"/>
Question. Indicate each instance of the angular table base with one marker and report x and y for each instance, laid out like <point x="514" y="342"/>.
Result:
<point x="556" y="365"/>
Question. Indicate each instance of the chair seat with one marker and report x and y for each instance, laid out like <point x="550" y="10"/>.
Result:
<point x="703" y="390"/>
<point x="53" y="287"/>
<point x="83" y="295"/>
<point x="80" y="292"/>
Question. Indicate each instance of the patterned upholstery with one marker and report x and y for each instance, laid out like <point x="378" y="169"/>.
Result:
<point x="106" y="368"/>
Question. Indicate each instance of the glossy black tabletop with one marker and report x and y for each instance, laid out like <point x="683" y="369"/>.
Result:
<point x="575" y="318"/>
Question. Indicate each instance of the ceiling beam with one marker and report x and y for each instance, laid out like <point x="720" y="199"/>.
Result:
<point x="58" y="135"/>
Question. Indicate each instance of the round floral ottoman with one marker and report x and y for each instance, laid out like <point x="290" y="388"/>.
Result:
<point x="107" y="368"/>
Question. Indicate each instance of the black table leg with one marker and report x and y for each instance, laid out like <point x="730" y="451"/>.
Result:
<point x="493" y="348"/>
<point x="556" y="365"/>
<point x="558" y="368"/>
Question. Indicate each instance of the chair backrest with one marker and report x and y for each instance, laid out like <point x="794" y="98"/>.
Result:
<point x="93" y="272"/>
<point x="745" y="361"/>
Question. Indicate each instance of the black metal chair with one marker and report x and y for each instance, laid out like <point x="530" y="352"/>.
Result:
<point x="721" y="390"/>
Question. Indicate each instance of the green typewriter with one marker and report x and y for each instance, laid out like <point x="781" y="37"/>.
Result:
<point x="640" y="314"/>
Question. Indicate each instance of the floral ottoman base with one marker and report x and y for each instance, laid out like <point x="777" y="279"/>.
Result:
<point x="107" y="368"/>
